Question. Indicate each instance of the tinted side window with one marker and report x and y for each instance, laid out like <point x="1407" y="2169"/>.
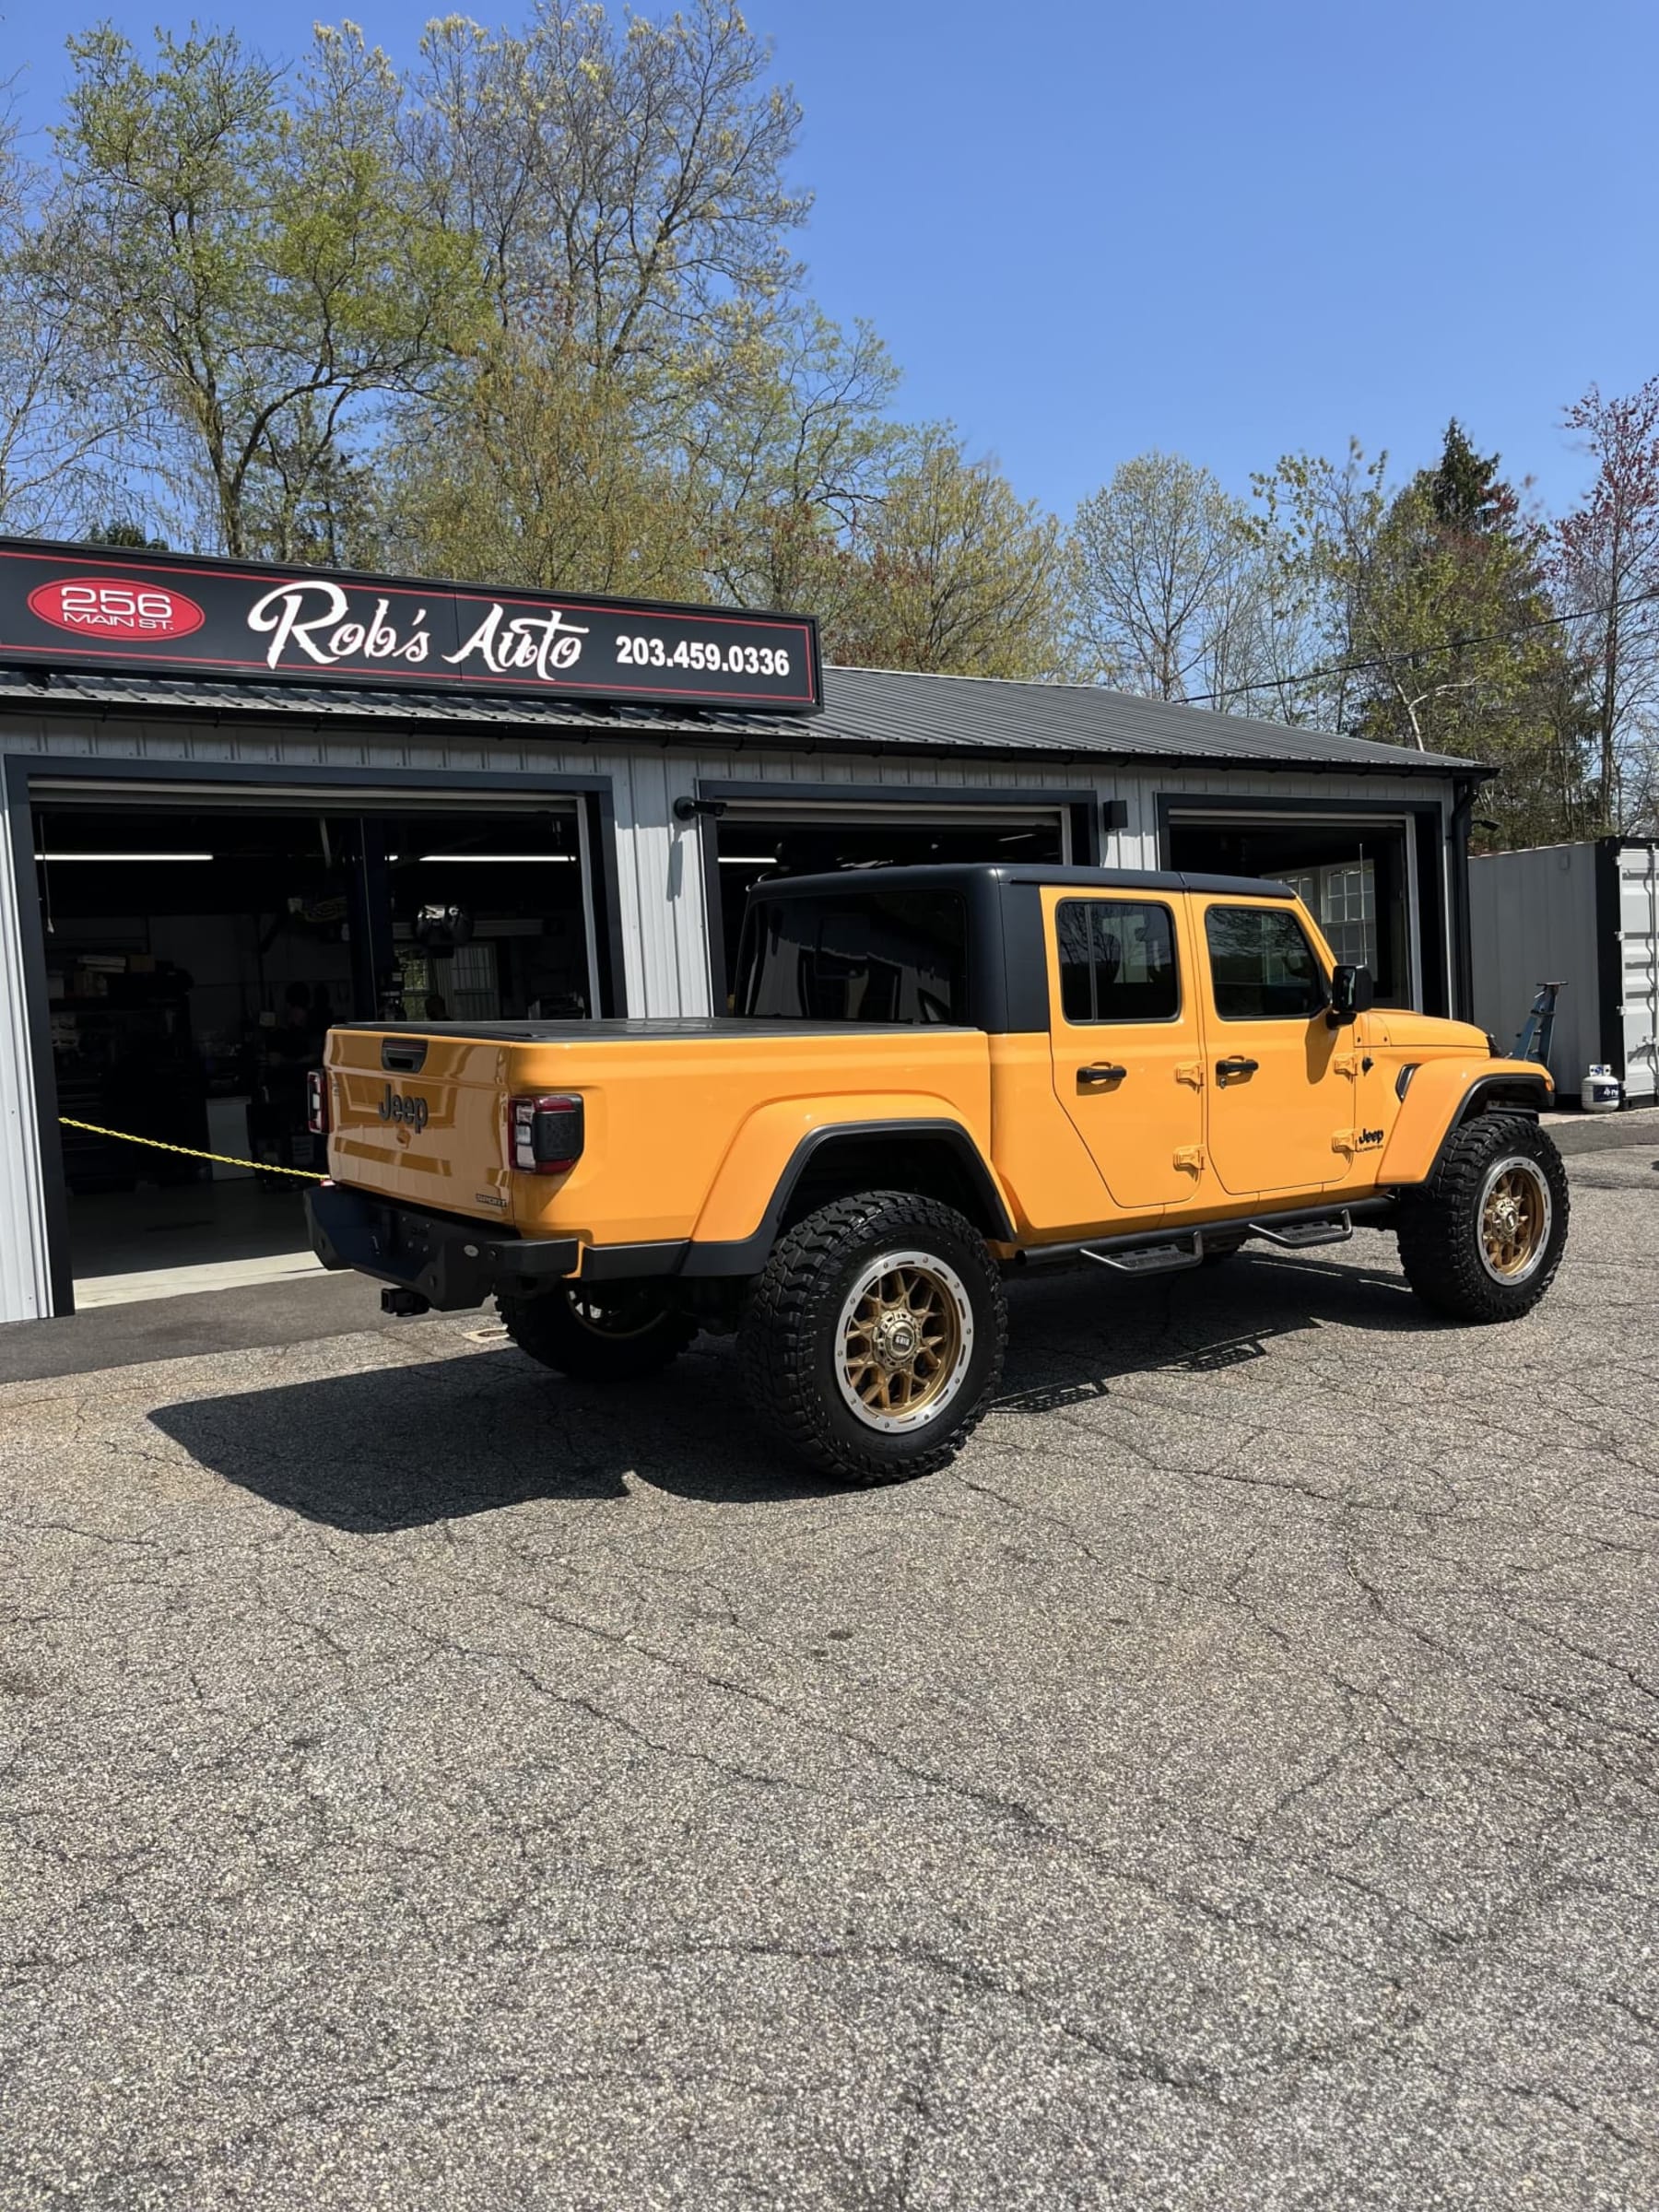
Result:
<point x="1117" y="961"/>
<point x="1262" y="965"/>
<point x="865" y="956"/>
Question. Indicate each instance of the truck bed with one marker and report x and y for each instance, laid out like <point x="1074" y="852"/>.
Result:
<point x="418" y="1112"/>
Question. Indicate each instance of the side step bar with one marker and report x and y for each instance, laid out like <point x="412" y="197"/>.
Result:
<point x="1176" y="1249"/>
<point x="1301" y="1235"/>
<point x="1150" y="1259"/>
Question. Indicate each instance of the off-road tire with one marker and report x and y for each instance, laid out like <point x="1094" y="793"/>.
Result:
<point x="1441" y="1229"/>
<point x="644" y="1333"/>
<point x="790" y="1343"/>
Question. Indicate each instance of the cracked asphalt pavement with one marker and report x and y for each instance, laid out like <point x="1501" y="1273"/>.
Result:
<point x="425" y="1783"/>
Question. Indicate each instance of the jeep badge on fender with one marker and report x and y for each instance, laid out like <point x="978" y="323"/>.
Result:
<point x="934" y="1078"/>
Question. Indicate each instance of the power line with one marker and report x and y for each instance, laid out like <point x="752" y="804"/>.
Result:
<point x="1419" y="653"/>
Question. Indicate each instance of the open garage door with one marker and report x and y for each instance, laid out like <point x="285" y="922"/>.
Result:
<point x="199" y="946"/>
<point x="1361" y="875"/>
<point x="755" y="838"/>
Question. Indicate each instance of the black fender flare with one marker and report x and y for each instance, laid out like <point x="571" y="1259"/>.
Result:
<point x="1487" y="1092"/>
<point x="748" y="1255"/>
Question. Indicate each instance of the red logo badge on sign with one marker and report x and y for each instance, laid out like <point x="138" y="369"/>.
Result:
<point x="107" y="606"/>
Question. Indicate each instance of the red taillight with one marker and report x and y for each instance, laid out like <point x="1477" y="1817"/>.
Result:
<point x="316" y="1101"/>
<point x="544" y="1133"/>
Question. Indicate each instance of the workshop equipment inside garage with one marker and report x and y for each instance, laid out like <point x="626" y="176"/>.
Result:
<point x="194" y="959"/>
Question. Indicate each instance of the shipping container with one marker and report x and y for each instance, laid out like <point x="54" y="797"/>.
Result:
<point x="1585" y="916"/>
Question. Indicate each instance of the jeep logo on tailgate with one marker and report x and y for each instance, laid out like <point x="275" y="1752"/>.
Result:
<point x="404" y="1106"/>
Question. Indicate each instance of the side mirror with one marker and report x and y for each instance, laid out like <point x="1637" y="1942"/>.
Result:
<point x="1352" y="992"/>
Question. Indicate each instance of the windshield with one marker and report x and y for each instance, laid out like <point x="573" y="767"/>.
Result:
<point x="870" y="955"/>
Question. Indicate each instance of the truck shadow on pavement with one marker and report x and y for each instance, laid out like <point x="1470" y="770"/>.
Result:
<point x="443" y="1435"/>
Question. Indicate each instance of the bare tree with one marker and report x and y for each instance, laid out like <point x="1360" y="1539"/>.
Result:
<point x="61" y="426"/>
<point x="787" y="452"/>
<point x="622" y="182"/>
<point x="1165" y="572"/>
<point x="1606" y="563"/>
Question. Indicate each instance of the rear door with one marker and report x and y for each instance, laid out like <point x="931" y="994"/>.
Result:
<point x="1126" y="1042"/>
<point x="1280" y="1087"/>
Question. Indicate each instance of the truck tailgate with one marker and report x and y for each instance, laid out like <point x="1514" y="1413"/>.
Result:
<point x="422" y="1118"/>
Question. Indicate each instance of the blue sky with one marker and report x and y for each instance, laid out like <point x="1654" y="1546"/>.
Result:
<point x="1227" y="230"/>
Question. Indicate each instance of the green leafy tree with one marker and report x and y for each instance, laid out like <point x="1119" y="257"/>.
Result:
<point x="656" y="410"/>
<point x="1419" y="615"/>
<point x="253" y="259"/>
<point x="527" y="468"/>
<point x="121" y="531"/>
<point x="951" y="573"/>
<point x="1461" y="654"/>
<point x="1317" y="522"/>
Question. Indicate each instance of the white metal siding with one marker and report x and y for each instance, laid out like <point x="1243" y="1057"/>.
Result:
<point x="1638" y="956"/>
<point x="659" y="872"/>
<point x="23" y="1288"/>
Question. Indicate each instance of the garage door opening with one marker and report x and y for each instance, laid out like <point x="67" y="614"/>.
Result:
<point x="1357" y="880"/>
<point x="195" y="955"/>
<point x="754" y="841"/>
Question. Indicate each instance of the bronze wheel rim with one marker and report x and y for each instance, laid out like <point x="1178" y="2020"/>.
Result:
<point x="903" y="1340"/>
<point x="1515" y="1214"/>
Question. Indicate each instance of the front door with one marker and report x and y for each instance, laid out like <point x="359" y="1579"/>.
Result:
<point x="1124" y="1037"/>
<point x="1279" y="1080"/>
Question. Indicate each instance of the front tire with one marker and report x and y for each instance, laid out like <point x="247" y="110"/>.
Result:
<point x="1483" y="1238"/>
<point x="614" y="1335"/>
<point x="873" y="1341"/>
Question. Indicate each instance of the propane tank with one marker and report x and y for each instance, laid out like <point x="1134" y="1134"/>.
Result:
<point x="1600" y="1090"/>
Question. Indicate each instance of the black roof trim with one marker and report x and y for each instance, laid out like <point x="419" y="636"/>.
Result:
<point x="953" y="874"/>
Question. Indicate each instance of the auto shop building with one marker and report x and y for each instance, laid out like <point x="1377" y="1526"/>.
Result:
<point x="230" y="795"/>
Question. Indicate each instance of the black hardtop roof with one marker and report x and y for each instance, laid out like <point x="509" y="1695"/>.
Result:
<point x="956" y="874"/>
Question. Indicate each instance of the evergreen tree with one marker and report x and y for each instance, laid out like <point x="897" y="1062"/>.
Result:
<point x="1465" y="489"/>
<point x="1453" y="615"/>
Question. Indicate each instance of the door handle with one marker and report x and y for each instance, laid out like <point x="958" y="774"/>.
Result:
<point x="1237" y="1067"/>
<point x="1101" y="1071"/>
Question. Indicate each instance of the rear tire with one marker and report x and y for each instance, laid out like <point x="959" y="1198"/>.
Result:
<point x="1483" y="1238"/>
<point x="612" y="1334"/>
<point x="873" y="1341"/>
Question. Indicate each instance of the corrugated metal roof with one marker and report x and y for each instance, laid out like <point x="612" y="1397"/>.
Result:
<point x="897" y="707"/>
<point x="867" y="710"/>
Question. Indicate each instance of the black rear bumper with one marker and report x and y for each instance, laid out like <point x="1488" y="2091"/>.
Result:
<point x="450" y="1261"/>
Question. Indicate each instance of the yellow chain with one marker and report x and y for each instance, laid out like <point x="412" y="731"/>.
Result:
<point x="260" y="1167"/>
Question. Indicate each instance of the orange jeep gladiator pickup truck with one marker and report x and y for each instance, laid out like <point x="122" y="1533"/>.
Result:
<point x="934" y="1077"/>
